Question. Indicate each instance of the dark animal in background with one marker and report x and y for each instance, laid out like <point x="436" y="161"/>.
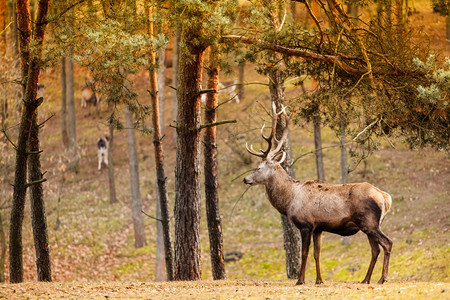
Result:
<point x="40" y="90"/>
<point x="317" y="206"/>
<point x="88" y="97"/>
<point x="102" y="151"/>
<point x="232" y="256"/>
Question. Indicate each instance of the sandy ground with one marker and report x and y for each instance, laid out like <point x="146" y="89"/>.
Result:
<point x="228" y="289"/>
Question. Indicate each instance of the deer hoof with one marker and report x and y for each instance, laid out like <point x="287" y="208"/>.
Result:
<point x="382" y="280"/>
<point x="319" y="281"/>
<point x="300" y="282"/>
<point x="365" y="281"/>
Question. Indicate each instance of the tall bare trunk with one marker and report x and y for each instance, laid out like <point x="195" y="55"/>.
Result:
<point x="187" y="173"/>
<point x="160" y="267"/>
<point x="159" y="161"/>
<point x="3" y="44"/>
<point x="2" y="29"/>
<point x="64" y="134"/>
<point x="344" y="165"/>
<point x="291" y="234"/>
<point x="160" y="261"/>
<point x="241" y="86"/>
<point x="447" y="26"/>
<point x="210" y="169"/>
<point x="111" y="180"/>
<point x="161" y="85"/>
<point x="175" y="65"/>
<point x="318" y="147"/>
<point x="38" y="217"/>
<point x="30" y="72"/>
<point x="3" y="251"/>
<point x="15" y="55"/>
<point x="136" y="204"/>
<point x="17" y="210"/>
<point x="74" y="158"/>
<point x="344" y="161"/>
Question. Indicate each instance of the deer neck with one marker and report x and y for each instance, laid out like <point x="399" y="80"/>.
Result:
<point x="279" y="190"/>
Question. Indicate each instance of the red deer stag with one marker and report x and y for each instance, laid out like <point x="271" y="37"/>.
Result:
<point x="317" y="206"/>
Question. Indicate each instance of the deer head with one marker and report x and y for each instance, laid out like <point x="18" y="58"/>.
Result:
<point x="270" y="159"/>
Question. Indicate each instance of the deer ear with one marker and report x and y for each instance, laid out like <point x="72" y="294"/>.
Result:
<point x="279" y="157"/>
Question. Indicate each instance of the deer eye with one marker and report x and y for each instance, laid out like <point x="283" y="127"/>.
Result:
<point x="257" y="169"/>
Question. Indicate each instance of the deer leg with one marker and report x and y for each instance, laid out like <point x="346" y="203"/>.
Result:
<point x="375" y="251"/>
<point x="317" y="238"/>
<point x="386" y="243"/>
<point x="106" y="157"/>
<point x="306" y="241"/>
<point x="99" y="155"/>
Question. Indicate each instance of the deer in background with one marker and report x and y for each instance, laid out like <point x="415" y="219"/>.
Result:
<point x="228" y="88"/>
<point x="317" y="206"/>
<point x="89" y="97"/>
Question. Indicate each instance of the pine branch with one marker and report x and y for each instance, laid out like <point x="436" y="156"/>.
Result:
<point x="35" y="182"/>
<point x="296" y="52"/>
<point x="215" y="124"/>
<point x="45" y="121"/>
<point x="9" y="140"/>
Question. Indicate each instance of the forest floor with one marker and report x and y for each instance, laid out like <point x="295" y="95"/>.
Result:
<point x="229" y="289"/>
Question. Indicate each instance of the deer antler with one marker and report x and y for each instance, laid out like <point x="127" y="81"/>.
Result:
<point x="267" y="154"/>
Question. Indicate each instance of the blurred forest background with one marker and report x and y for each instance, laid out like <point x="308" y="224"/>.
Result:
<point x="367" y="84"/>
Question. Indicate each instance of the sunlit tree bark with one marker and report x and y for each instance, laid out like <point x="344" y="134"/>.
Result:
<point x="187" y="173"/>
<point x="159" y="159"/>
<point x="210" y="169"/>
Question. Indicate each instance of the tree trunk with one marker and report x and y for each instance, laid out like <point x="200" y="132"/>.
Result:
<point x="241" y="87"/>
<point x="187" y="173"/>
<point x="74" y="158"/>
<point x="64" y="135"/>
<point x="210" y="170"/>
<point x="447" y="26"/>
<point x="291" y="234"/>
<point x="175" y="64"/>
<point x="13" y="28"/>
<point x="160" y="265"/>
<point x="318" y="147"/>
<point x="344" y="166"/>
<point x="15" y="56"/>
<point x="159" y="163"/>
<point x="136" y="204"/>
<point x="3" y="252"/>
<point x="344" y="162"/>
<point x="17" y="210"/>
<point x="30" y="70"/>
<point x="111" y="180"/>
<point x="2" y="29"/>
<point x="19" y="192"/>
<point x="161" y="85"/>
<point x="39" y="219"/>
